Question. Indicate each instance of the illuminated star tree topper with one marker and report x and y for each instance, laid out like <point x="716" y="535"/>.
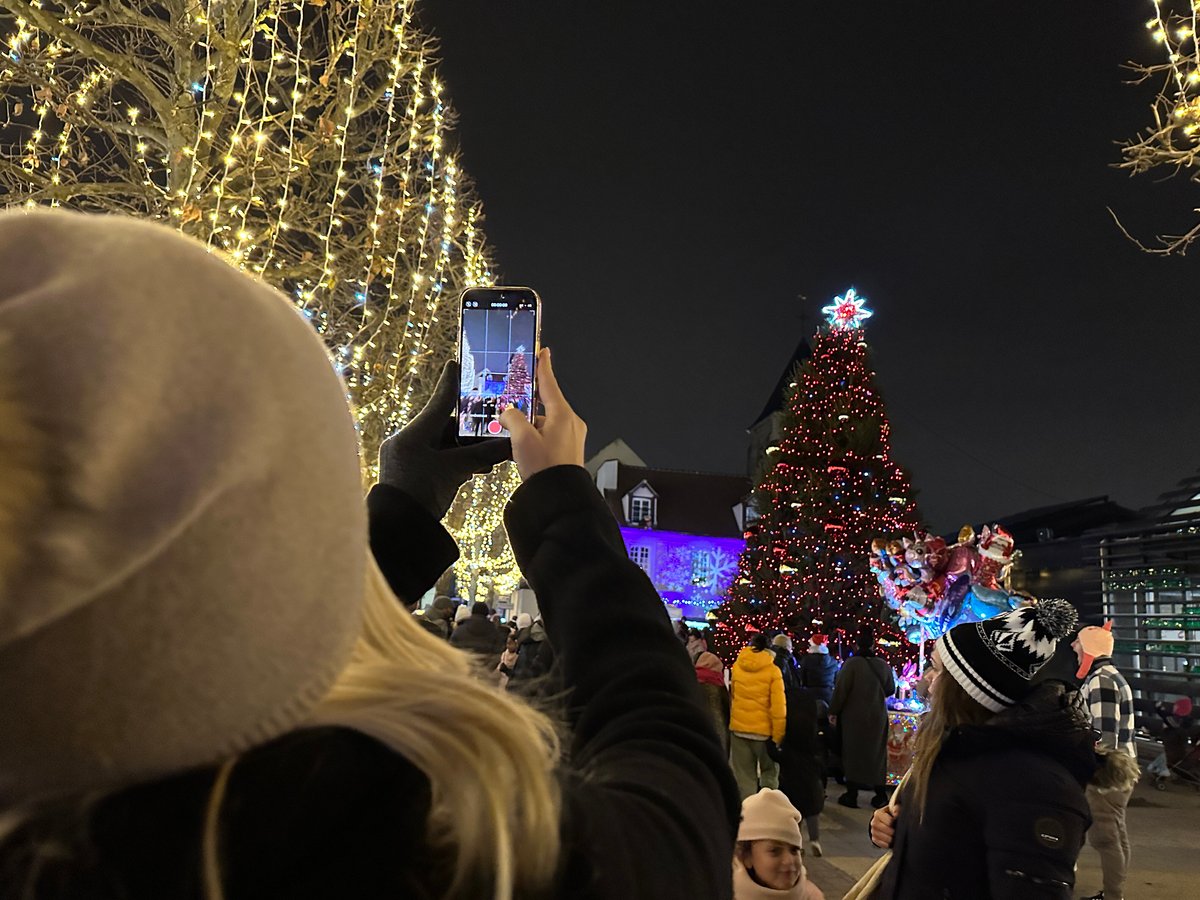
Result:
<point x="848" y="312"/>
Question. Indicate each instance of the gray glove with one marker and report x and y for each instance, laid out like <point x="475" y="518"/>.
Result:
<point x="424" y="460"/>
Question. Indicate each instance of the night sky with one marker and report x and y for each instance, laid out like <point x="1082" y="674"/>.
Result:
<point x="672" y="176"/>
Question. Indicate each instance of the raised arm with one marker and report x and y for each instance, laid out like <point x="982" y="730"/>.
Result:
<point x="650" y="805"/>
<point x="421" y="468"/>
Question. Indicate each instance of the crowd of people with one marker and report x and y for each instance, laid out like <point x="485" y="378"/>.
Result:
<point x="201" y="704"/>
<point x="516" y="651"/>
<point x="476" y="409"/>
<point x="1016" y="759"/>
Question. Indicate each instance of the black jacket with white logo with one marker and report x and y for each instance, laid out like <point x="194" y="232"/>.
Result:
<point x="1006" y="812"/>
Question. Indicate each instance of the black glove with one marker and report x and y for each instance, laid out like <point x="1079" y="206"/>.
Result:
<point x="774" y="751"/>
<point x="424" y="460"/>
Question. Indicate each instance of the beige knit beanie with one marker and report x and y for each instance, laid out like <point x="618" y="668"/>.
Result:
<point x="182" y="532"/>
<point x="768" y="815"/>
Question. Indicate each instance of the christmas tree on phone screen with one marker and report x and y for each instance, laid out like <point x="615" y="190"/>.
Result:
<point x="516" y="383"/>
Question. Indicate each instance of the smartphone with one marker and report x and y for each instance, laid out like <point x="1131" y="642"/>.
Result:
<point x="498" y="340"/>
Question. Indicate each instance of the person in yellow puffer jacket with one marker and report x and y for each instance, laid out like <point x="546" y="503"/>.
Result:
<point x="757" y="716"/>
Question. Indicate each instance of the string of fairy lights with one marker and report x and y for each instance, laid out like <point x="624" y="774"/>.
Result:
<point x="1177" y="32"/>
<point x="308" y="142"/>
<point x="1174" y="137"/>
<point x="831" y="487"/>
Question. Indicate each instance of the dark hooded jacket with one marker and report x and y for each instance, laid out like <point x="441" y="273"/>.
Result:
<point x="1005" y="812"/>
<point x="801" y="756"/>
<point x="817" y="673"/>
<point x="535" y="654"/>
<point x="787" y="667"/>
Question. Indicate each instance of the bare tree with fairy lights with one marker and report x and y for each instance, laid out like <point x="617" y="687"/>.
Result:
<point x="1173" y="141"/>
<point x="306" y="141"/>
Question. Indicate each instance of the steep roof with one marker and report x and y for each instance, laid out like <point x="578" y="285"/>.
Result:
<point x="775" y="400"/>
<point x="688" y="502"/>
<point x="615" y="449"/>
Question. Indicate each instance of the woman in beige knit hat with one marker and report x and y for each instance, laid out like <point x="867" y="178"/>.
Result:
<point x="209" y="686"/>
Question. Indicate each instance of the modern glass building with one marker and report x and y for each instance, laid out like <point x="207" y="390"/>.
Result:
<point x="1150" y="584"/>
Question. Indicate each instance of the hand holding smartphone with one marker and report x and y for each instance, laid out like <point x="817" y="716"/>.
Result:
<point x="555" y="439"/>
<point x="499" y="338"/>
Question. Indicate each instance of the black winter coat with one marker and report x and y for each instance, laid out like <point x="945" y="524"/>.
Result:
<point x="817" y="673"/>
<point x="801" y="756"/>
<point x="650" y="807"/>
<point x="1005" y="813"/>
<point x="787" y="667"/>
<point x="535" y="658"/>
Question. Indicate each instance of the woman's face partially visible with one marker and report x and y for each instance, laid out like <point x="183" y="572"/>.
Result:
<point x="775" y="864"/>
<point x="935" y="671"/>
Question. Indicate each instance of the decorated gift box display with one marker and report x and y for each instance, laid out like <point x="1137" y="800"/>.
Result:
<point x="933" y="586"/>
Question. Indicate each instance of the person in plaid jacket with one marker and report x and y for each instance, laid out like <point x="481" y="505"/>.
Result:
<point x="1110" y="702"/>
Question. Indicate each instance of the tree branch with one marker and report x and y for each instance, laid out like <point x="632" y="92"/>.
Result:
<point x="120" y="64"/>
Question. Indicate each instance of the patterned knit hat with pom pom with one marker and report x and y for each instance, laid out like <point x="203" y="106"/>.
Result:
<point x="995" y="660"/>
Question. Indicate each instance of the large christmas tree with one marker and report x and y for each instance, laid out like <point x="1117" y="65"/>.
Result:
<point x="832" y="487"/>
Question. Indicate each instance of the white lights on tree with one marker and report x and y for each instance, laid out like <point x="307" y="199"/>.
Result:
<point x="307" y="142"/>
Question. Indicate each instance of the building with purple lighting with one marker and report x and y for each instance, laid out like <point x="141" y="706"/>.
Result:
<point x="683" y="528"/>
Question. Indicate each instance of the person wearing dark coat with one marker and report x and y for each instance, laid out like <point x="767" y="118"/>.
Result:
<point x="479" y="635"/>
<point x="859" y="711"/>
<point x="781" y="646"/>
<point x="818" y="669"/>
<point x="994" y="804"/>
<point x="436" y="619"/>
<point x="802" y="764"/>
<point x="293" y="799"/>
<point x="710" y="673"/>
<point x="535" y="659"/>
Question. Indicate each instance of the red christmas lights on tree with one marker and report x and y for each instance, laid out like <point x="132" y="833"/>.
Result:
<point x="831" y="488"/>
<point x="516" y="382"/>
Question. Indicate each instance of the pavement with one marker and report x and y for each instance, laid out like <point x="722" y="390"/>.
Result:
<point x="1164" y="832"/>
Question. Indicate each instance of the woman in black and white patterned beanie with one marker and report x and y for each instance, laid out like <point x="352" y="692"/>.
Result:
<point x="994" y="805"/>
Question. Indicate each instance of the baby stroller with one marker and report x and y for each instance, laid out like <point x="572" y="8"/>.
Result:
<point x="1180" y="759"/>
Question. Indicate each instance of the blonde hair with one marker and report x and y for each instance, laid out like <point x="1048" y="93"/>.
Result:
<point x="489" y="756"/>
<point x="950" y="707"/>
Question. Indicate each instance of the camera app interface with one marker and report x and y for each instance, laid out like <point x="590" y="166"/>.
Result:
<point x="497" y="362"/>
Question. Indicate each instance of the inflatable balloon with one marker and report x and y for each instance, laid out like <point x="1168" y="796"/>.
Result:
<point x="933" y="587"/>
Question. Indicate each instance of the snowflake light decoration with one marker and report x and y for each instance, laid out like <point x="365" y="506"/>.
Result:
<point x="848" y="312"/>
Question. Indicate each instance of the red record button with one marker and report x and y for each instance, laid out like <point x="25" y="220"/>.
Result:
<point x="495" y="427"/>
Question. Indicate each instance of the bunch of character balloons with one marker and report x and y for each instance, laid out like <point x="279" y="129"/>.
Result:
<point x="934" y="586"/>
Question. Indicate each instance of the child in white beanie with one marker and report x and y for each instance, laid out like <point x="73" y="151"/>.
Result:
<point x="766" y="860"/>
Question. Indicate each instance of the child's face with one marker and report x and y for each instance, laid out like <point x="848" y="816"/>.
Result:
<point x="775" y="864"/>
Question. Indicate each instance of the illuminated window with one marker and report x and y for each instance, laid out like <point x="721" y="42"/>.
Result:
<point x="641" y="509"/>
<point x="641" y="556"/>
<point x="702" y="568"/>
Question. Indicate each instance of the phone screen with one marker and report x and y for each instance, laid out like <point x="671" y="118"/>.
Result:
<point x="497" y="349"/>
